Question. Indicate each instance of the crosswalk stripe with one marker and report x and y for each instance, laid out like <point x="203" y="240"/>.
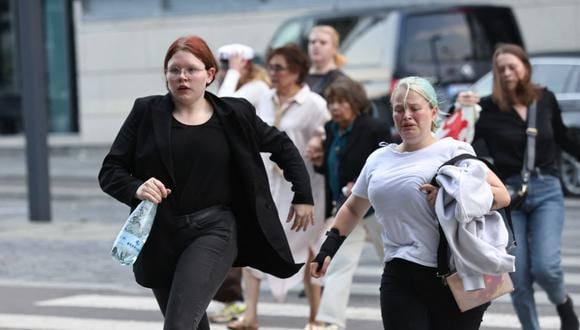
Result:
<point x="148" y="304"/>
<point x="491" y="320"/>
<point x="497" y="320"/>
<point x="32" y="322"/>
<point x="37" y="322"/>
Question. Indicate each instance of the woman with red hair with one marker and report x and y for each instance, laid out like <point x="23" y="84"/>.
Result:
<point x="198" y="157"/>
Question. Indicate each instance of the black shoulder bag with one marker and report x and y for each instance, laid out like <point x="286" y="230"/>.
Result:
<point x="518" y="193"/>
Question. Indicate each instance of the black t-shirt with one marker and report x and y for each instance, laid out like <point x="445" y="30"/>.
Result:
<point x="502" y="136"/>
<point x="202" y="166"/>
<point x="319" y="82"/>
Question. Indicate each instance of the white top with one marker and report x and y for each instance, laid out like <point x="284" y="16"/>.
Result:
<point x="251" y="91"/>
<point x="304" y="116"/>
<point x="390" y="180"/>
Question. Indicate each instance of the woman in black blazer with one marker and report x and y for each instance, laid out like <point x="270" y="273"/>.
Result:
<point x="198" y="157"/>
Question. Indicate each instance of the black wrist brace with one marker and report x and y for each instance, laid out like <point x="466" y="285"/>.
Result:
<point x="329" y="247"/>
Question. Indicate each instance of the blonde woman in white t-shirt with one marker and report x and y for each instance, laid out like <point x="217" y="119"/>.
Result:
<point x="395" y="181"/>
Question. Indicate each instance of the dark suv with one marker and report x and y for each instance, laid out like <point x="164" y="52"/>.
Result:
<point x="560" y="72"/>
<point x="450" y="45"/>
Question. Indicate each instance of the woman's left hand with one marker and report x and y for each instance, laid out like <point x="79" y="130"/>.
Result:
<point x="431" y="192"/>
<point x="303" y="215"/>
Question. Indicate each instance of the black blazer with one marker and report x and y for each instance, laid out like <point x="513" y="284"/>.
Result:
<point x="142" y="150"/>
<point x="367" y="132"/>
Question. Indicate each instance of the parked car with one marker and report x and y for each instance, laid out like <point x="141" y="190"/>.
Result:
<point x="451" y="45"/>
<point x="560" y="72"/>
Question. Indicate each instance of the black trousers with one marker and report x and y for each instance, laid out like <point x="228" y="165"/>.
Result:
<point x="209" y="246"/>
<point x="231" y="288"/>
<point x="414" y="298"/>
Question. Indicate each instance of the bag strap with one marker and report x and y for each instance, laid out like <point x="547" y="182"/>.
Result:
<point x="443" y="247"/>
<point x="530" y="154"/>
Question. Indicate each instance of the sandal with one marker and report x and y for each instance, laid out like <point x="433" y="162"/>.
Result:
<point x="239" y="324"/>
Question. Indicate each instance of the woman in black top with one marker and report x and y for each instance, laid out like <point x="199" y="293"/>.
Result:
<point x="538" y="222"/>
<point x="198" y="157"/>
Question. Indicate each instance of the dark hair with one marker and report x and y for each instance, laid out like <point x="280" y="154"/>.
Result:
<point x="195" y="45"/>
<point x="344" y="88"/>
<point x="526" y="91"/>
<point x="297" y="60"/>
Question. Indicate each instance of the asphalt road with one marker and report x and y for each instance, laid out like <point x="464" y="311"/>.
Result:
<point x="59" y="275"/>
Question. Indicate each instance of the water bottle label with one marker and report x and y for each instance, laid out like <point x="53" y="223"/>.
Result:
<point x="127" y="248"/>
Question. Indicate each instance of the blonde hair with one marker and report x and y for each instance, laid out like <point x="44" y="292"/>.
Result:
<point x="255" y="72"/>
<point x="420" y="86"/>
<point x="339" y="59"/>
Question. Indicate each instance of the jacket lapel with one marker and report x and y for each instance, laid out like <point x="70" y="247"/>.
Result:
<point x="161" y="115"/>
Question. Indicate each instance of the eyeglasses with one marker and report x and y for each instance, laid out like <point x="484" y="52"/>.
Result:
<point x="276" y="68"/>
<point x="188" y="72"/>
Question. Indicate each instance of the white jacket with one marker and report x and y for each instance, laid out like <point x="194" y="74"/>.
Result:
<point x="476" y="235"/>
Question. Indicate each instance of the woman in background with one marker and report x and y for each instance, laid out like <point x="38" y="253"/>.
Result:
<point x="300" y="113"/>
<point x="539" y="221"/>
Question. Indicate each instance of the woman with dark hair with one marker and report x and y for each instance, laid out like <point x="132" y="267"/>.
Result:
<point x="351" y="136"/>
<point x="198" y="157"/>
<point x="539" y="220"/>
<point x="300" y="113"/>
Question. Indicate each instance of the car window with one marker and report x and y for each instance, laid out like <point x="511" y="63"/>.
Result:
<point x="289" y="33"/>
<point x="554" y="76"/>
<point x="343" y="25"/>
<point x="574" y="85"/>
<point x="366" y="44"/>
<point x="439" y="37"/>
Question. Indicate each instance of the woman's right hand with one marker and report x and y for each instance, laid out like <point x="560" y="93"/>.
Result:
<point x="467" y="98"/>
<point x="317" y="270"/>
<point x="314" y="151"/>
<point x="152" y="190"/>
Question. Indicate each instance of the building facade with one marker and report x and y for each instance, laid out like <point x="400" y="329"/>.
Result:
<point x="120" y="45"/>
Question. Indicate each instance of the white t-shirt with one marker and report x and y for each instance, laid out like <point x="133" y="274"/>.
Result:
<point x="390" y="180"/>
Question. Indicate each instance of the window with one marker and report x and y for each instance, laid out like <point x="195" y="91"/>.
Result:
<point x="367" y="43"/>
<point x="289" y="33"/>
<point x="553" y="76"/>
<point x="436" y="38"/>
<point x="574" y="85"/>
<point x="61" y="84"/>
<point x="10" y="114"/>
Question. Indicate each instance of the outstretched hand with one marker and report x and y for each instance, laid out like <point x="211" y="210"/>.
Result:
<point x="303" y="215"/>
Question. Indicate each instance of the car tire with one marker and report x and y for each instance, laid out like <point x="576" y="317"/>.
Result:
<point x="570" y="175"/>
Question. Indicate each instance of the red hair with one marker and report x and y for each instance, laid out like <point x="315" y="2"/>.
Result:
<point x="195" y="45"/>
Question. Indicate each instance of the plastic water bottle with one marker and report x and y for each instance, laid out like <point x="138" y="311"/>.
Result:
<point x="134" y="233"/>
